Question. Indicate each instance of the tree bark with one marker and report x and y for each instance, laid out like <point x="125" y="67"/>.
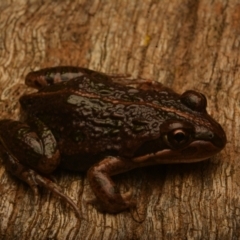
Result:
<point x="184" y="45"/>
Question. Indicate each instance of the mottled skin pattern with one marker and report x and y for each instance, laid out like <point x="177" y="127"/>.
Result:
<point x="84" y="120"/>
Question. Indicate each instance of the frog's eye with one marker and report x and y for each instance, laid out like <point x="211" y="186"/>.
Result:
<point x="177" y="138"/>
<point x="177" y="134"/>
<point x="194" y="100"/>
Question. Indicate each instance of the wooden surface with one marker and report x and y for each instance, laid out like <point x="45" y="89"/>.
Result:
<point x="183" y="44"/>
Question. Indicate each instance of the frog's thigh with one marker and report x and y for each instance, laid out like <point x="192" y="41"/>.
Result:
<point x="104" y="188"/>
<point x="33" y="146"/>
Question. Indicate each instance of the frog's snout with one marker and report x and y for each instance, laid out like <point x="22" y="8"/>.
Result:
<point x="217" y="138"/>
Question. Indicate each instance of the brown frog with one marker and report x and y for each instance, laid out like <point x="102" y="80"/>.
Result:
<point x="84" y="120"/>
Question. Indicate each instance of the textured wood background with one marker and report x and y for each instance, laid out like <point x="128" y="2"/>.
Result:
<point x="183" y="44"/>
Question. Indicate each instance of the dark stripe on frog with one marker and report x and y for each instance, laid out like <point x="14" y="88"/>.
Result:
<point x="194" y="117"/>
<point x="191" y="117"/>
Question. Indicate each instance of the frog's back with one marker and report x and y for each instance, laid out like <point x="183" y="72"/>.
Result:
<point x="95" y="115"/>
<point x="90" y="115"/>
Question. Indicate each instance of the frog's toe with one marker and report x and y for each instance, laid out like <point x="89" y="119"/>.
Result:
<point x="128" y="199"/>
<point x="127" y="196"/>
<point x="44" y="182"/>
<point x="29" y="177"/>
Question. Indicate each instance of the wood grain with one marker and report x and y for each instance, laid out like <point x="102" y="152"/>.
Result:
<point x="184" y="45"/>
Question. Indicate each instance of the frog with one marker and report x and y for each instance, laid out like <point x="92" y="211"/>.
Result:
<point x="88" y="121"/>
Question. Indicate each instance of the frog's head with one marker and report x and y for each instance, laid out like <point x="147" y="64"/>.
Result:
<point x="191" y="135"/>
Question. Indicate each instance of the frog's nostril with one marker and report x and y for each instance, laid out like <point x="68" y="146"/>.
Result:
<point x="211" y="135"/>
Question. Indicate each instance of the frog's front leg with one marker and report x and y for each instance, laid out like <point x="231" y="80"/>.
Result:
<point x="28" y="154"/>
<point x="111" y="200"/>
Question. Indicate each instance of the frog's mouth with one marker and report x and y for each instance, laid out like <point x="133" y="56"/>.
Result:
<point x="196" y="151"/>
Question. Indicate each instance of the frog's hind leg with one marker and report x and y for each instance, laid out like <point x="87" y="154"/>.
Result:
<point x="34" y="179"/>
<point x="30" y="155"/>
<point x="33" y="144"/>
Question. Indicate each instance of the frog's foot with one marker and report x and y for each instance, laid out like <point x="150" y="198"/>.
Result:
<point x="116" y="206"/>
<point x="44" y="182"/>
<point x="108" y="197"/>
<point x="121" y="202"/>
<point x="34" y="179"/>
